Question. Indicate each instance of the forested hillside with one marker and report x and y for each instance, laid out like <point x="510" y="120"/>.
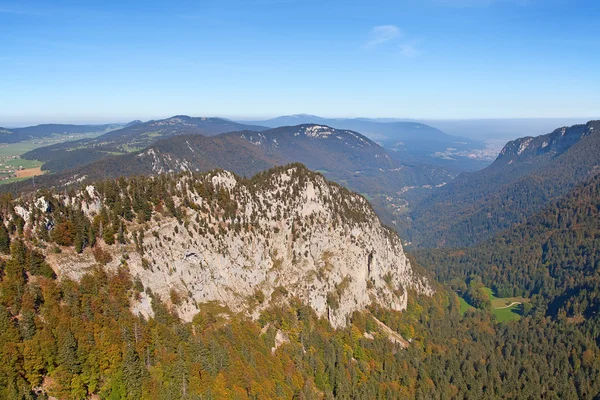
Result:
<point x="554" y="257"/>
<point x="71" y="340"/>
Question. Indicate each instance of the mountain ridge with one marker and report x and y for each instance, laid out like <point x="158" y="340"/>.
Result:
<point x="216" y="237"/>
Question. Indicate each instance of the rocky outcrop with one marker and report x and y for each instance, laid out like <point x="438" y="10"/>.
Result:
<point x="551" y="144"/>
<point x="287" y="233"/>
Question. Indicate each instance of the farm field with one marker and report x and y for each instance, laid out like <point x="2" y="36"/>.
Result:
<point x="13" y="168"/>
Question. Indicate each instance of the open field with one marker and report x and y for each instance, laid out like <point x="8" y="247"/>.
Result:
<point x="13" y="168"/>
<point x="16" y="149"/>
<point x="504" y="308"/>
<point x="29" y="172"/>
<point x="504" y="302"/>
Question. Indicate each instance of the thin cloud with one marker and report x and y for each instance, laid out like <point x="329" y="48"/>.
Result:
<point x="408" y="50"/>
<point x="381" y="34"/>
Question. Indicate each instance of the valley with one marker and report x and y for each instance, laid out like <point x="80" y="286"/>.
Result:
<point x="207" y="260"/>
<point x="14" y="168"/>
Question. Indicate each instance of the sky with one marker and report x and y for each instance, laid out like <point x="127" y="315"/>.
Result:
<point x="107" y="61"/>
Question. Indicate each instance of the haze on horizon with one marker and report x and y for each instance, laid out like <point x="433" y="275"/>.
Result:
<point x="105" y="61"/>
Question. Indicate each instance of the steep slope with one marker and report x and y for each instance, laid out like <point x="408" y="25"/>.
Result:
<point x="133" y="137"/>
<point x="554" y="256"/>
<point x="15" y="135"/>
<point x="529" y="173"/>
<point x="286" y="233"/>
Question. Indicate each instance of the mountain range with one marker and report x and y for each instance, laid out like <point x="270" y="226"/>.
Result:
<point x="410" y="141"/>
<point x="528" y="174"/>
<point x="344" y="156"/>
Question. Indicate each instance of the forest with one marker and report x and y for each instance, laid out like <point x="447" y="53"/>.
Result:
<point x="74" y="339"/>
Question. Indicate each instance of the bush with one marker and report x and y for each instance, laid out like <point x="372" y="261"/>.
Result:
<point x="101" y="256"/>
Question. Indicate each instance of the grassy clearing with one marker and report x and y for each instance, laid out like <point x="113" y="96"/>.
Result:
<point x="464" y="306"/>
<point x="508" y="314"/>
<point x="504" y="308"/>
<point x="501" y="302"/>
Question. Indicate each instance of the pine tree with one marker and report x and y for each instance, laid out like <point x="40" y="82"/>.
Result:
<point x="132" y="372"/>
<point x="4" y="238"/>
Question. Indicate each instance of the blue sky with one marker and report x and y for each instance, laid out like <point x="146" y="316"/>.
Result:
<point x="110" y="60"/>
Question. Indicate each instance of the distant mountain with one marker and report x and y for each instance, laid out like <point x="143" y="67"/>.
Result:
<point x="388" y="133"/>
<point x="408" y="140"/>
<point x="534" y="149"/>
<point x="321" y="147"/>
<point x="15" y="135"/>
<point x="132" y="123"/>
<point x="528" y="173"/>
<point x="134" y="137"/>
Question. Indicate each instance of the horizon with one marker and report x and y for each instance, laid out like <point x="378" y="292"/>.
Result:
<point x="435" y="59"/>
<point x="91" y="121"/>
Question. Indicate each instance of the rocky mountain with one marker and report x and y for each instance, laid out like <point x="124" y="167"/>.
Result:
<point x="194" y="239"/>
<point x="529" y="173"/>
<point x="15" y="135"/>
<point x="133" y="137"/>
<point x="536" y="149"/>
<point x="410" y="141"/>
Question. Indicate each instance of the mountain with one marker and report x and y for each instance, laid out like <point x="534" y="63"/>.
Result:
<point x="219" y="238"/>
<point x="410" y="141"/>
<point x="135" y="136"/>
<point x="321" y="147"/>
<point x="346" y="157"/>
<point x="536" y="149"/>
<point x="554" y="256"/>
<point x="15" y="135"/>
<point x="528" y="173"/>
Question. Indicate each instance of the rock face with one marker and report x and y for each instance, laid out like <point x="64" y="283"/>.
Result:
<point x="551" y="144"/>
<point x="287" y="233"/>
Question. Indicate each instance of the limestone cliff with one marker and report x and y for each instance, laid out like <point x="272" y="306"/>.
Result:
<point x="287" y="233"/>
